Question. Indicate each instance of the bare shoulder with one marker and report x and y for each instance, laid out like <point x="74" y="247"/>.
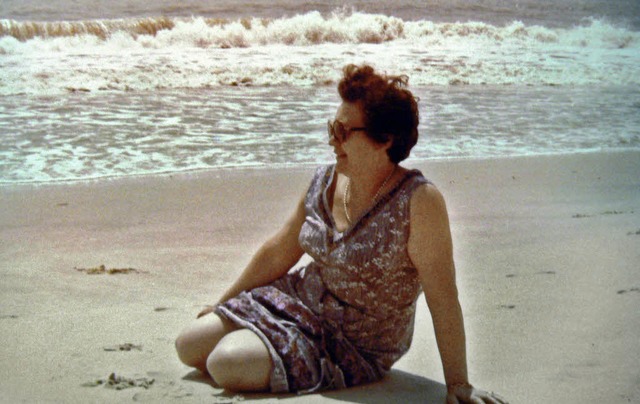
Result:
<point x="427" y="203"/>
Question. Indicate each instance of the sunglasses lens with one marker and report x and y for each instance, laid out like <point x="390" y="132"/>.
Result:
<point x="341" y="132"/>
<point x="336" y="130"/>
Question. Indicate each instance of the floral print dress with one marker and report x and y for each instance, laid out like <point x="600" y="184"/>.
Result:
<point x="348" y="315"/>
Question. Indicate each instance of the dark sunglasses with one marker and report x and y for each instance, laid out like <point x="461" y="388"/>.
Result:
<point x="339" y="132"/>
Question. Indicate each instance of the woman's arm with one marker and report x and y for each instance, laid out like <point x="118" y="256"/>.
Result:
<point x="431" y="250"/>
<point x="274" y="259"/>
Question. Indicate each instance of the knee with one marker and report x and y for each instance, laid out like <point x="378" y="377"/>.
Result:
<point x="223" y="364"/>
<point x="187" y="352"/>
<point x="233" y="368"/>
<point x="182" y="349"/>
<point x="198" y="339"/>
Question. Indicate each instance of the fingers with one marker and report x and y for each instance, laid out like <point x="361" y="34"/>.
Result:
<point x="471" y="395"/>
<point x="494" y="398"/>
<point x="208" y="309"/>
<point x="490" y="400"/>
<point x="499" y="399"/>
<point x="452" y="399"/>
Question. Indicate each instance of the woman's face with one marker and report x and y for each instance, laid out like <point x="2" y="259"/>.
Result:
<point x="357" y="154"/>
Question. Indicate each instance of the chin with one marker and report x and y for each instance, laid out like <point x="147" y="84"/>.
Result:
<point x="341" y="165"/>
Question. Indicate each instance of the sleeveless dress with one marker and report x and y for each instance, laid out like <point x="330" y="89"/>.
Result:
<point x="348" y="315"/>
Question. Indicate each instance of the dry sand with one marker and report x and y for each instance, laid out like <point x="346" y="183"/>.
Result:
<point x="547" y="251"/>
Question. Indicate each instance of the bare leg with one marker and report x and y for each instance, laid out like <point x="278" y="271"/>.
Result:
<point x="241" y="362"/>
<point x="196" y="342"/>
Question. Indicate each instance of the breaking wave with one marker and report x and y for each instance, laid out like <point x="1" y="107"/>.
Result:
<point x="147" y="54"/>
<point x="309" y="29"/>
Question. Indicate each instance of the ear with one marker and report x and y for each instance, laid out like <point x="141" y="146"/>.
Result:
<point x="386" y="145"/>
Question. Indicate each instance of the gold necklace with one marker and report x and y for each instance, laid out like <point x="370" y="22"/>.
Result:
<point x="347" y="194"/>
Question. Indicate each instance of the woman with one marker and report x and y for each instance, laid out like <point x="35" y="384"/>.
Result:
<point x="378" y="234"/>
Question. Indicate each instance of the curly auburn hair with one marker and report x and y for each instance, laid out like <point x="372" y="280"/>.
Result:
<point x="390" y="110"/>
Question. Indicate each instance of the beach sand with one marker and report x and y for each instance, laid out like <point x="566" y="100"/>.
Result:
<point x="547" y="252"/>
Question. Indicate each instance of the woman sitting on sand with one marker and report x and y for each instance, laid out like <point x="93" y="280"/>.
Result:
<point x="378" y="235"/>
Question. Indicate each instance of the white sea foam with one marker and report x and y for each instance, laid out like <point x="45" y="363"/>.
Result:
<point x="110" y="134"/>
<point x="303" y="50"/>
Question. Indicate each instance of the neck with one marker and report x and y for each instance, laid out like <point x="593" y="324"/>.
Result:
<point x="367" y="183"/>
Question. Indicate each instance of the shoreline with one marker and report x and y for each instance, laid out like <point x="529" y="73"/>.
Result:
<point x="545" y="249"/>
<point x="286" y="167"/>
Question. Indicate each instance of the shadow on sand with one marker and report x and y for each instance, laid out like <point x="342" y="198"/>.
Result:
<point x="397" y="386"/>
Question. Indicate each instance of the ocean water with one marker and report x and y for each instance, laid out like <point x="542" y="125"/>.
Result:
<point x="92" y="90"/>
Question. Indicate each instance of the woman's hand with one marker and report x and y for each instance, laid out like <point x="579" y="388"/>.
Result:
<point x="207" y="309"/>
<point x="466" y="393"/>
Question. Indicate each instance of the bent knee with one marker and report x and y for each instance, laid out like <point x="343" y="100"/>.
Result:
<point x="187" y="354"/>
<point x="240" y="366"/>
<point x="220" y="364"/>
<point x="226" y="366"/>
<point x="195" y="343"/>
